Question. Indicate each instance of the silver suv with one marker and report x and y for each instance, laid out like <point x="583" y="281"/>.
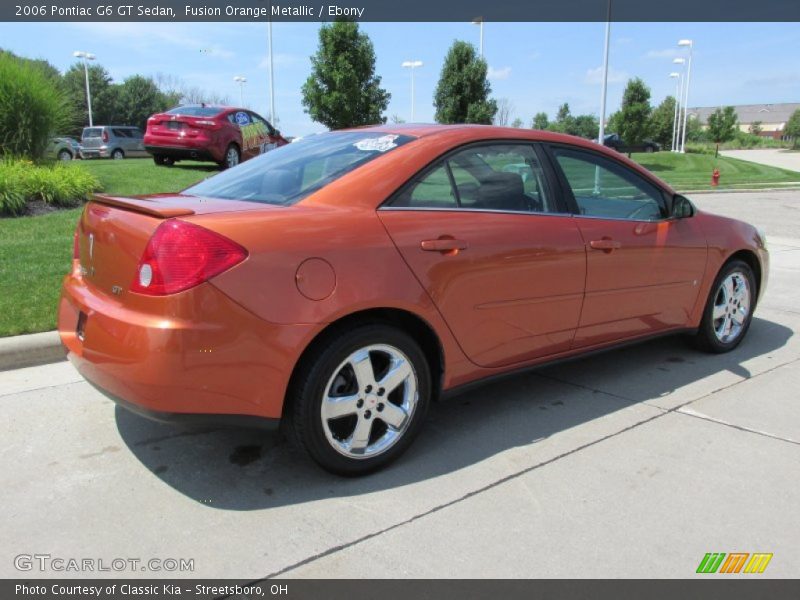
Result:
<point x="112" y="141"/>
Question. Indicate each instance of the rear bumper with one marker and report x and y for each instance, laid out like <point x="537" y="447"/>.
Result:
<point x="193" y="356"/>
<point x="95" y="152"/>
<point x="188" y="152"/>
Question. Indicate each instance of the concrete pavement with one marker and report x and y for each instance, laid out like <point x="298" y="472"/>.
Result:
<point x="772" y="157"/>
<point x="634" y="463"/>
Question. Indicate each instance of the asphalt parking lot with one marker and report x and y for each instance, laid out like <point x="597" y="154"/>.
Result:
<point x="634" y="463"/>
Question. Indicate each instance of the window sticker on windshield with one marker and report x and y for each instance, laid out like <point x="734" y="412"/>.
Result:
<point x="379" y="144"/>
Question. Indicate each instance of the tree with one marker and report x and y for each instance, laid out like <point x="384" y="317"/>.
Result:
<point x="756" y="128"/>
<point x="32" y="108"/>
<point x="722" y="126"/>
<point x="137" y="99"/>
<point x="634" y="115"/>
<point x="662" y="121"/>
<point x="397" y="119"/>
<point x="565" y="122"/>
<point x="462" y="94"/>
<point x="343" y="90"/>
<point x="586" y="126"/>
<point x="505" y="108"/>
<point x="517" y="123"/>
<point x="793" y="128"/>
<point x="540" y="121"/>
<point x="104" y="94"/>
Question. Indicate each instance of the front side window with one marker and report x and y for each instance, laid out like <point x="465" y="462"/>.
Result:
<point x="501" y="177"/>
<point x="287" y="174"/>
<point x="604" y="189"/>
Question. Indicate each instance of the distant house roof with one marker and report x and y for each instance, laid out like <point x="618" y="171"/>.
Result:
<point x="749" y="113"/>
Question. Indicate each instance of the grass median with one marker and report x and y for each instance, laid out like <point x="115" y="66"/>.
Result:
<point x="35" y="252"/>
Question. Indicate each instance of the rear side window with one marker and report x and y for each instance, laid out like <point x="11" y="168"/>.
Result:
<point x="195" y="111"/>
<point x="501" y="177"/>
<point x="287" y="174"/>
<point x="121" y="132"/>
<point x="92" y="132"/>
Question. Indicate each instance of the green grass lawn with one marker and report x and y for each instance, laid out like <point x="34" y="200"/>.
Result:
<point x="35" y="252"/>
<point x="133" y="176"/>
<point x="689" y="172"/>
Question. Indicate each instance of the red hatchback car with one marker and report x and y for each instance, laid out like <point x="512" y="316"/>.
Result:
<point x="222" y="134"/>
<point x="340" y="284"/>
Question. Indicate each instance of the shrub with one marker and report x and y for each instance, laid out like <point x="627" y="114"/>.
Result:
<point x="32" y="108"/>
<point x="12" y="196"/>
<point x="58" y="184"/>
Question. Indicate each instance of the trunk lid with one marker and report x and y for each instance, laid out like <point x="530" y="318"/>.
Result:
<point x="113" y="232"/>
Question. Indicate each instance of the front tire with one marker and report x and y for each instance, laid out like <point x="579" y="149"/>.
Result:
<point x="729" y="308"/>
<point x="359" y="398"/>
<point x="65" y="155"/>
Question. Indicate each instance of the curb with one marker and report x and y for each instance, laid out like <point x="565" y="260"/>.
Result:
<point x="794" y="187"/>
<point x="30" y="350"/>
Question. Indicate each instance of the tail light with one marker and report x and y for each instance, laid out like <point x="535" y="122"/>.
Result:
<point x="105" y="135"/>
<point x="207" y="124"/>
<point x="181" y="255"/>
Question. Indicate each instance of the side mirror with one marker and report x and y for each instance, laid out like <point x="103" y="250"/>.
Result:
<point x="682" y="208"/>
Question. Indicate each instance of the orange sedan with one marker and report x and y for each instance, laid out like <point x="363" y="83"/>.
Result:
<point x="340" y="284"/>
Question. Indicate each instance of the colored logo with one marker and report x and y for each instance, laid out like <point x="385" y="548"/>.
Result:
<point x="735" y="562"/>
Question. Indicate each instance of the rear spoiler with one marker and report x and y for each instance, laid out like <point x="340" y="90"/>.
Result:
<point x="140" y="205"/>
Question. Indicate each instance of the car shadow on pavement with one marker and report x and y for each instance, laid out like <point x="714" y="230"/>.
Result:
<point x="241" y="469"/>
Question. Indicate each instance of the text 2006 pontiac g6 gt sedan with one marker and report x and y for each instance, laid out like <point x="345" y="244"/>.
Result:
<point x="341" y="283"/>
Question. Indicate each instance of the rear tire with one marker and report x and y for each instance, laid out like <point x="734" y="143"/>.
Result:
<point x="117" y="154"/>
<point x="232" y="157"/>
<point x="729" y="309"/>
<point x="359" y="398"/>
<point x="163" y="161"/>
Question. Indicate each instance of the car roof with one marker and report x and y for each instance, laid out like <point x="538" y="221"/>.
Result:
<point x="459" y="134"/>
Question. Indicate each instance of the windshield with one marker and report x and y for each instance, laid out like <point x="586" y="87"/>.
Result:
<point x="195" y="111"/>
<point x="289" y="173"/>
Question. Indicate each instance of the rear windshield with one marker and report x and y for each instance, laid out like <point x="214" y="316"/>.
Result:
<point x="287" y="174"/>
<point x="195" y="111"/>
<point x="90" y="132"/>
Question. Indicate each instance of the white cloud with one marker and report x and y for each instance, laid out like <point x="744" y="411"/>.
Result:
<point x="595" y="76"/>
<point x="497" y="74"/>
<point x="665" y="53"/>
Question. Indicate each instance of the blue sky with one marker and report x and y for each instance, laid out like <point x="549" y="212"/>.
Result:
<point x="536" y="66"/>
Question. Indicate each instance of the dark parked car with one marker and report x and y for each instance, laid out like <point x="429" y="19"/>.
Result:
<point x="613" y="140"/>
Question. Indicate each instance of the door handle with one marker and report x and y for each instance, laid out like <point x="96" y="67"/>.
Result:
<point x="447" y="246"/>
<point x="606" y="245"/>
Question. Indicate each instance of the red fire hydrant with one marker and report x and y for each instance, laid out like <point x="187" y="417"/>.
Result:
<point x="715" y="178"/>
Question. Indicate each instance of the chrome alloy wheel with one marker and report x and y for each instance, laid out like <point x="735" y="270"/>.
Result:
<point x="369" y="401"/>
<point x="731" y="307"/>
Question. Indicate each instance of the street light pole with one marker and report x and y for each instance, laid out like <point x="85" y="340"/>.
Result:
<point x="412" y="64"/>
<point x="479" y="21"/>
<point x="677" y="132"/>
<point x="271" y="79"/>
<point x="241" y="81"/>
<point x="690" y="44"/>
<point x="602" y="132"/>
<point x="86" y="56"/>
<point x="675" y="116"/>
